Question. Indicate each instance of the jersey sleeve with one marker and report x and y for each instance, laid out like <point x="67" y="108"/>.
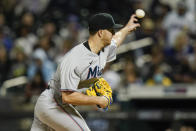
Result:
<point x="111" y="51"/>
<point x="69" y="79"/>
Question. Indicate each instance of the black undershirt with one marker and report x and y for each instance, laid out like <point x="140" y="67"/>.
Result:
<point x="86" y="44"/>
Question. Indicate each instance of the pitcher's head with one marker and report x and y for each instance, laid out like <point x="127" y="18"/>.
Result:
<point x="103" y="25"/>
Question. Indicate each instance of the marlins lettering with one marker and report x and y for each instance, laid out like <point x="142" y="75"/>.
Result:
<point x="94" y="72"/>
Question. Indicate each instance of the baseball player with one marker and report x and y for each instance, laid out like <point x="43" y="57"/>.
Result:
<point x="79" y="68"/>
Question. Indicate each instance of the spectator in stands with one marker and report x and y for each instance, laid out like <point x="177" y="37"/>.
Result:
<point x="131" y="74"/>
<point x="159" y="9"/>
<point x="41" y="62"/>
<point x="5" y="28"/>
<point x="8" y="8"/>
<point x="49" y="30"/>
<point x="18" y="63"/>
<point x="26" y="40"/>
<point x="5" y="34"/>
<point x="67" y="45"/>
<point x="147" y="29"/>
<point x="192" y="61"/>
<point x="157" y="62"/>
<point x="25" y="36"/>
<point x="28" y="20"/>
<point x="35" y="6"/>
<point x="178" y="59"/>
<point x="176" y="21"/>
<point x="5" y="40"/>
<point x="4" y="64"/>
<point x="111" y="76"/>
<point x="47" y="45"/>
<point x="71" y="30"/>
<point x="35" y="86"/>
<point x="159" y="77"/>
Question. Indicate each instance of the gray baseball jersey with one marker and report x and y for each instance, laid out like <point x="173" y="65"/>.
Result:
<point x="78" y="69"/>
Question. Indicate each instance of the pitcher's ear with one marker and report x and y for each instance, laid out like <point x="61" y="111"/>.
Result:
<point x="100" y="33"/>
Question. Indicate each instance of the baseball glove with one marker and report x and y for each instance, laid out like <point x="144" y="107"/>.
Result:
<point x="101" y="88"/>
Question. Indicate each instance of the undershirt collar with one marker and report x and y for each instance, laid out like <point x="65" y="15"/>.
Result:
<point x="86" y="44"/>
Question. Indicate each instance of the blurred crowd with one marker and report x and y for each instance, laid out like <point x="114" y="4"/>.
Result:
<point x="35" y="34"/>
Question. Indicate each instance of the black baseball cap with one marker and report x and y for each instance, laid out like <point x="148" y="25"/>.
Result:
<point x="102" y="21"/>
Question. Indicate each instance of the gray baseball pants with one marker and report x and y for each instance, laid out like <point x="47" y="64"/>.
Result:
<point x="50" y="116"/>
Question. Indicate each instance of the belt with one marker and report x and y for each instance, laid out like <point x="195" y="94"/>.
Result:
<point x="48" y="87"/>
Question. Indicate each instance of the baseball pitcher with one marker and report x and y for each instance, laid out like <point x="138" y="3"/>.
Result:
<point x="78" y="80"/>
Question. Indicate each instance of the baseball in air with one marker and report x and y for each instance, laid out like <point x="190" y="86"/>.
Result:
<point x="140" y="13"/>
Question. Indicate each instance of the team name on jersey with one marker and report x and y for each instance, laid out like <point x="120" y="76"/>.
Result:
<point x="94" y="72"/>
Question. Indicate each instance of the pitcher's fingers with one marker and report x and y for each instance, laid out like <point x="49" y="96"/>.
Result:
<point x="132" y="17"/>
<point x="137" y="25"/>
<point x="135" y="20"/>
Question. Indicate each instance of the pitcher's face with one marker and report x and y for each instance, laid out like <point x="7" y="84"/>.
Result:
<point x="107" y="36"/>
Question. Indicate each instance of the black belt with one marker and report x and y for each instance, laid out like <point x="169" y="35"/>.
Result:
<point x="48" y="87"/>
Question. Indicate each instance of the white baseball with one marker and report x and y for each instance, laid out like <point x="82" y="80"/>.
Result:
<point x="140" y="13"/>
